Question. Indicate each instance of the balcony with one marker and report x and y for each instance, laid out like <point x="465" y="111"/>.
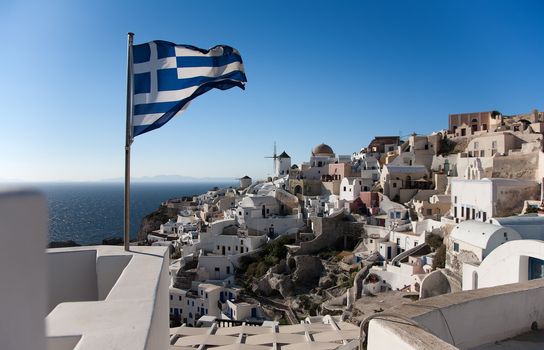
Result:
<point x="94" y="297"/>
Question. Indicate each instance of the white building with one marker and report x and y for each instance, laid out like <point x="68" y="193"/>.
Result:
<point x="350" y="188"/>
<point x="512" y="262"/>
<point x="245" y="182"/>
<point x="264" y="215"/>
<point x="471" y="241"/>
<point x="402" y="181"/>
<point x="483" y="199"/>
<point x="225" y="238"/>
<point x="282" y="164"/>
<point x="322" y="156"/>
<point x="203" y="299"/>
<point x="370" y="169"/>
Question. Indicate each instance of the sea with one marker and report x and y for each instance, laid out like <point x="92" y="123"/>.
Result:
<point x="87" y="213"/>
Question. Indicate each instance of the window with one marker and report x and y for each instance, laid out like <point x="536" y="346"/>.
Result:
<point x="494" y="144"/>
<point x="455" y="199"/>
<point x="415" y="244"/>
<point x="394" y="185"/>
<point x="201" y="292"/>
<point x="228" y="269"/>
<point x="484" y="217"/>
<point x="239" y="213"/>
<point x="398" y="241"/>
<point x="171" y="296"/>
<point x="217" y="247"/>
<point x="476" y="145"/>
<point x="228" y="248"/>
<point x="206" y="295"/>
<point x="482" y="153"/>
<point x="345" y="189"/>
<point x="455" y="247"/>
<point x="236" y="248"/>
<point x="179" y="298"/>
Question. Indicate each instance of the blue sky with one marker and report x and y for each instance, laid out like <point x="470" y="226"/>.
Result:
<point x="337" y="72"/>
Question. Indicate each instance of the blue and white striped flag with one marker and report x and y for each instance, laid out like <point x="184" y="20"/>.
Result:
<point x="168" y="76"/>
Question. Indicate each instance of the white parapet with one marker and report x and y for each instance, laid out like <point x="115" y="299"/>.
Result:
<point x="23" y="232"/>
<point x="96" y="297"/>
<point x="110" y="298"/>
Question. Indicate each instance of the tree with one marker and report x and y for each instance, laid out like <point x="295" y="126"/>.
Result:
<point x="439" y="260"/>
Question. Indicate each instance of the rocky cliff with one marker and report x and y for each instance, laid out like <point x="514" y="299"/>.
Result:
<point x="153" y="221"/>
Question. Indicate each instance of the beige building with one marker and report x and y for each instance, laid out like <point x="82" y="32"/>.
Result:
<point x="465" y="124"/>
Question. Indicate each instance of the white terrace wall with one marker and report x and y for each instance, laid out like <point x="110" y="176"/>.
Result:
<point x="23" y="270"/>
<point x="466" y="319"/>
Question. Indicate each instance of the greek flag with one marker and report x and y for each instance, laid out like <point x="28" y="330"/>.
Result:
<point x="168" y="76"/>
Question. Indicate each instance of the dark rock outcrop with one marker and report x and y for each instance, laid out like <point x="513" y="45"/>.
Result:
<point x="112" y="241"/>
<point x="308" y="271"/>
<point x="153" y="221"/>
<point x="63" y="244"/>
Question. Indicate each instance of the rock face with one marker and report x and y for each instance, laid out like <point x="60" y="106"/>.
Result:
<point x="63" y="244"/>
<point x="153" y="221"/>
<point x="308" y="271"/>
<point x="305" y="276"/>
<point x="273" y="282"/>
<point x="327" y="281"/>
<point x="283" y="284"/>
<point x="112" y="241"/>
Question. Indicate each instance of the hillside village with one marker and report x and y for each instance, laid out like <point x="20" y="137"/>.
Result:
<point x="353" y="235"/>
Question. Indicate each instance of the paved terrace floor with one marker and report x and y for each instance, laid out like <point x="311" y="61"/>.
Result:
<point x="329" y="335"/>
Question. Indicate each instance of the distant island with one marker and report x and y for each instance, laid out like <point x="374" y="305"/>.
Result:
<point x="171" y="178"/>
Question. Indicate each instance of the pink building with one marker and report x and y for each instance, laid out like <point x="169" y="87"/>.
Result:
<point x="338" y="171"/>
<point x="371" y="200"/>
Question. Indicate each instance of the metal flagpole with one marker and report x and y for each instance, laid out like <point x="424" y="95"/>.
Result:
<point x="128" y="142"/>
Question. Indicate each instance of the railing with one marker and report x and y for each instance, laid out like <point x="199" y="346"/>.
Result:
<point x="232" y="323"/>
